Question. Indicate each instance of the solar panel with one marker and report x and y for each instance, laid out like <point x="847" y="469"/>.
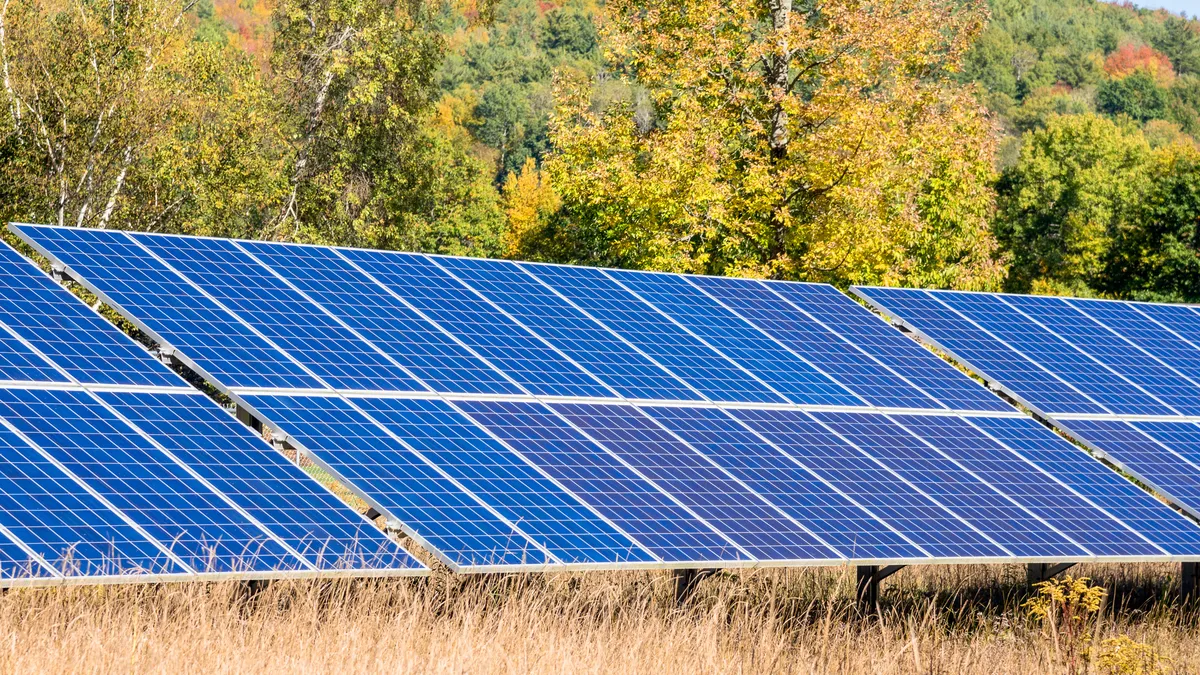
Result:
<point x="576" y="335"/>
<point x="430" y="353"/>
<point x="770" y="361"/>
<point x="655" y="334"/>
<point x="919" y="367"/>
<point x="1147" y="334"/>
<point x="282" y="315"/>
<point x="527" y="416"/>
<point x="433" y="509"/>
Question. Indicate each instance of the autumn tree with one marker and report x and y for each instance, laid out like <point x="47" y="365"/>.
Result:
<point x="822" y="141"/>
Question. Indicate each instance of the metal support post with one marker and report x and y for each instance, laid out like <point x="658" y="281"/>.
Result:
<point x="866" y="592"/>
<point x="1187" y="581"/>
<point x="686" y="581"/>
<point x="1036" y="573"/>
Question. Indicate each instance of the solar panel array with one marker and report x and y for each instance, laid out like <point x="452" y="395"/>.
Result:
<point x="1121" y="377"/>
<point x="113" y="468"/>
<point x="527" y="416"/>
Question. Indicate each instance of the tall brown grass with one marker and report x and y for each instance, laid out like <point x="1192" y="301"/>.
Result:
<point x="933" y="620"/>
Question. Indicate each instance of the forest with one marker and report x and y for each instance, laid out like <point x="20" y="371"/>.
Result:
<point x="1044" y="146"/>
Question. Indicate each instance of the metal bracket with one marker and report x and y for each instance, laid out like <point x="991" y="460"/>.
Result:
<point x="867" y="586"/>
<point x="166" y="355"/>
<point x="59" y="273"/>
<point x="1035" y="573"/>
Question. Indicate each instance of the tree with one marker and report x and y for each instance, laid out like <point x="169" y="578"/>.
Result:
<point x="798" y="143"/>
<point x="1065" y="200"/>
<point x="1136" y="95"/>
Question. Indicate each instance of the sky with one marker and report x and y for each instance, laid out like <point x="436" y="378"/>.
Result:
<point x="1192" y="7"/>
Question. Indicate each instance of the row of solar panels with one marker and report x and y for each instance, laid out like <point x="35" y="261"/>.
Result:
<point x="1121" y="377"/>
<point x="509" y="415"/>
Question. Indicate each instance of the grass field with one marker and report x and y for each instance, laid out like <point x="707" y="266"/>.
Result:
<point x="934" y="620"/>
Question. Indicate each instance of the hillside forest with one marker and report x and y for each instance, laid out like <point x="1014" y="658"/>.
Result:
<point x="1044" y="146"/>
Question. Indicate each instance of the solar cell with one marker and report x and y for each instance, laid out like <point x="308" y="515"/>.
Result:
<point x="532" y="363"/>
<point x="1044" y="497"/>
<point x="855" y="474"/>
<point x="1151" y="336"/>
<point x="432" y="508"/>
<point x="758" y="527"/>
<point x="917" y="365"/>
<point x="261" y="481"/>
<point x="67" y="526"/>
<point x="172" y="506"/>
<point x="787" y="373"/>
<point x="382" y="318"/>
<point x="1094" y="339"/>
<point x="982" y="505"/>
<point x="655" y="334"/>
<point x="65" y="331"/>
<point x="1088" y="477"/>
<point x="545" y="512"/>
<point x="617" y="492"/>
<point x="875" y="382"/>
<point x="171" y="309"/>
<point x="851" y="530"/>
<point x="575" y="334"/>
<point x="981" y="350"/>
<point x="279" y="313"/>
<point x="1141" y="455"/>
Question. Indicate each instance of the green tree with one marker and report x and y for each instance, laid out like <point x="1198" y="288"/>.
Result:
<point x="1136" y="95"/>
<point x="1063" y="202"/>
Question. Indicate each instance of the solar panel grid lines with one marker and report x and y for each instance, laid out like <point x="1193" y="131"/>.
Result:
<point x="443" y="298"/>
<point x="579" y="337"/>
<point x="304" y="514"/>
<point x="452" y="524"/>
<point x="1053" y="502"/>
<point x="822" y="450"/>
<point x="799" y="331"/>
<point x="1088" y="477"/>
<point x="1145" y="333"/>
<point x="763" y="467"/>
<point x="382" y="317"/>
<point x="546" y="513"/>
<point x="1180" y="321"/>
<point x="654" y="333"/>
<point x="754" y="524"/>
<point x="1174" y="394"/>
<point x="740" y="341"/>
<point x="980" y="350"/>
<point x="640" y="507"/>
<point x="985" y="509"/>
<point x="277" y="312"/>
<point x="166" y="306"/>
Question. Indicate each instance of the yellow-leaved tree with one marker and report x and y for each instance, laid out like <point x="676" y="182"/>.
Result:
<point x="824" y="140"/>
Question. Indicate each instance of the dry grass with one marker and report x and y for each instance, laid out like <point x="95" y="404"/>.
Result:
<point x="935" y="620"/>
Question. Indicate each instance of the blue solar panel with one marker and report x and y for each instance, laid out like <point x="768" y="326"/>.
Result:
<point x="845" y="467"/>
<point x="766" y="470"/>
<point x="1183" y="438"/>
<point x="787" y="373"/>
<point x="981" y="505"/>
<point x="260" y="480"/>
<point x="666" y="342"/>
<point x="1125" y="359"/>
<point x="1140" y="329"/>
<point x="916" y="364"/>
<point x="175" y="508"/>
<point x="762" y="530"/>
<point x="382" y="318"/>
<point x="430" y="506"/>
<point x="1090" y="478"/>
<point x="285" y="317"/>
<point x="1181" y="320"/>
<point x="1141" y="455"/>
<point x="16" y="563"/>
<point x="504" y="342"/>
<point x="986" y="355"/>
<point x="578" y="336"/>
<point x="1051" y="352"/>
<point x="600" y="480"/>
<point x="850" y="365"/>
<point x="164" y="302"/>
<point x="62" y="328"/>
<point x="1046" y="498"/>
<point x="544" y="511"/>
<point x="65" y="524"/>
